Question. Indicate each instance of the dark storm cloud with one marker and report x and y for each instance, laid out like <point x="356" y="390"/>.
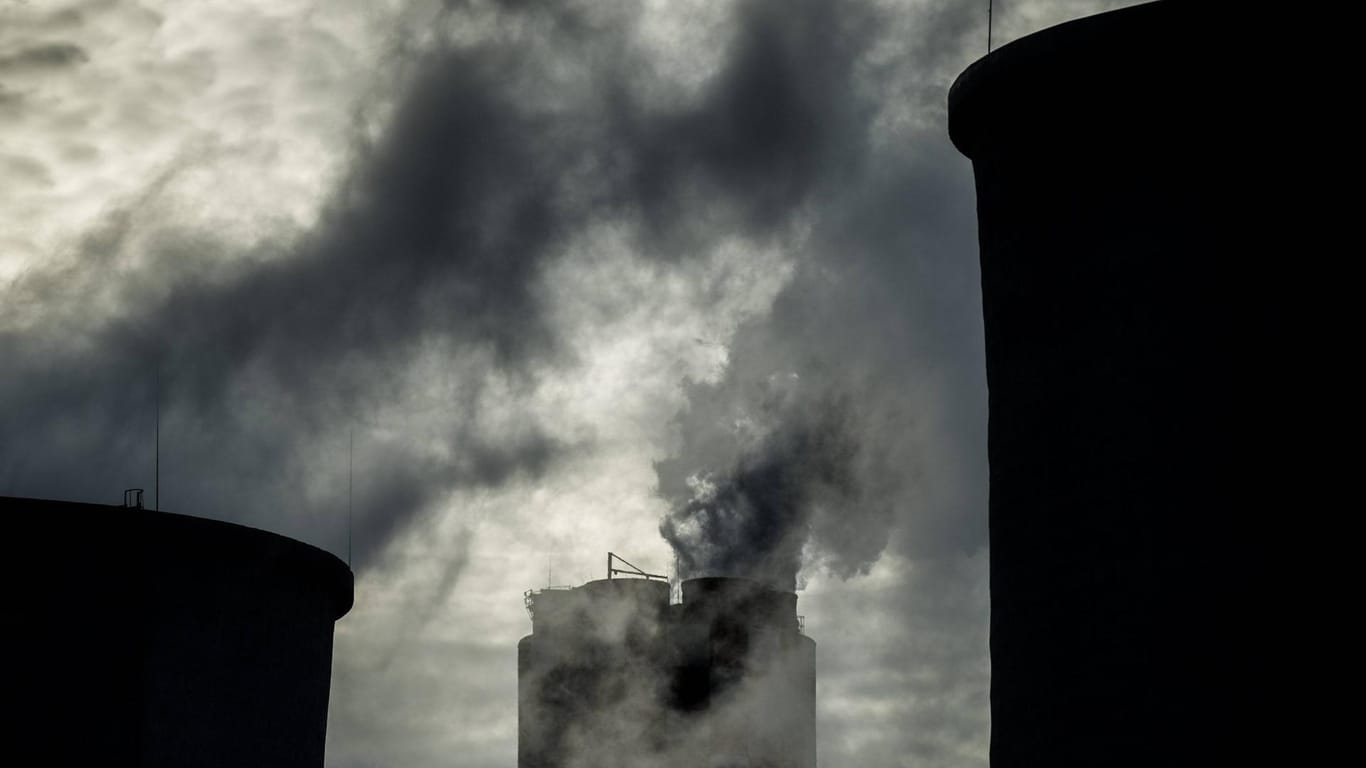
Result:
<point x="820" y="432"/>
<point x="46" y="56"/>
<point x="754" y="521"/>
<point x="435" y="240"/>
<point x="770" y="126"/>
<point x="433" y="245"/>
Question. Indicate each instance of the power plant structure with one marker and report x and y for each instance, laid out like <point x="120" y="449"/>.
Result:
<point x="614" y="674"/>
<point x="1112" y="293"/>
<point x="142" y="638"/>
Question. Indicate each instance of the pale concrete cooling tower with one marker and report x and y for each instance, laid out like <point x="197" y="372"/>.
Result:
<point x="613" y="675"/>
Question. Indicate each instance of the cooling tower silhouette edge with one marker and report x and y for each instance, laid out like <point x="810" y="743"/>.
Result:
<point x="156" y="639"/>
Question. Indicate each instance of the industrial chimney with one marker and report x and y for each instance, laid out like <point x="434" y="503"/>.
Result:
<point x="144" y="638"/>
<point x="1111" y="284"/>
<point x="613" y="675"/>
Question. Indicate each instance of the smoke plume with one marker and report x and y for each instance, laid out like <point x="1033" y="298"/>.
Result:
<point x="752" y="516"/>
<point x="416" y="308"/>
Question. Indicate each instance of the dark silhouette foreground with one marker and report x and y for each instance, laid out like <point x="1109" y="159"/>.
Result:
<point x="141" y="638"/>
<point x="1115" y="289"/>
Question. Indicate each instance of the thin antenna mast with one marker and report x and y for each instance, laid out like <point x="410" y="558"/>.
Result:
<point x="156" y="463"/>
<point x="989" y="4"/>
<point x="350" y="473"/>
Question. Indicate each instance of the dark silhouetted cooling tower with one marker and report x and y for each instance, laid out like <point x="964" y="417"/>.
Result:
<point x="614" y="676"/>
<point x="144" y="638"/>
<point x="1111" y="283"/>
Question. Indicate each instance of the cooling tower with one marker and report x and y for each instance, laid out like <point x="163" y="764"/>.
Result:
<point x="1100" y="154"/>
<point x="145" y="638"/>
<point x="745" y="675"/>
<point x="588" y="675"/>
<point x="612" y="675"/>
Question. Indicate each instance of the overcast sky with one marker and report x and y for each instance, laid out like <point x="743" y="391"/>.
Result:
<point x="573" y="276"/>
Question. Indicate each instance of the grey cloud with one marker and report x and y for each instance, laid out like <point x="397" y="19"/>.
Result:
<point x="405" y="714"/>
<point x="46" y="56"/>
<point x="883" y="306"/>
<point x="769" y="128"/>
<point x="25" y="168"/>
<point x="436" y="240"/>
<point x="437" y="235"/>
<point x="921" y="663"/>
<point x="40" y="17"/>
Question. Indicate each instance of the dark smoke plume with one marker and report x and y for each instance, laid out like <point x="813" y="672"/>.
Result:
<point x="754" y="517"/>
<point x="434" y="248"/>
<point x="843" y="420"/>
<point x="431" y="248"/>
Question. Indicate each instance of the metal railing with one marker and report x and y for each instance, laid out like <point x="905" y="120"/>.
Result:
<point x="529" y="597"/>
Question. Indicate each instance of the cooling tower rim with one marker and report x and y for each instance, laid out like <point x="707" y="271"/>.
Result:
<point x="72" y="519"/>
<point x="726" y="580"/>
<point x="1016" y="88"/>
<point x="624" y="583"/>
<point x="708" y="584"/>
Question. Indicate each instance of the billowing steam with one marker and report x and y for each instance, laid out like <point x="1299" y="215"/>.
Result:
<point x="752" y="513"/>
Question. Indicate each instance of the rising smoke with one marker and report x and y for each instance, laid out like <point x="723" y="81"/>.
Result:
<point x="751" y="514"/>
<point x="431" y="254"/>
<point x="811" y="452"/>
<point x="418" y="313"/>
